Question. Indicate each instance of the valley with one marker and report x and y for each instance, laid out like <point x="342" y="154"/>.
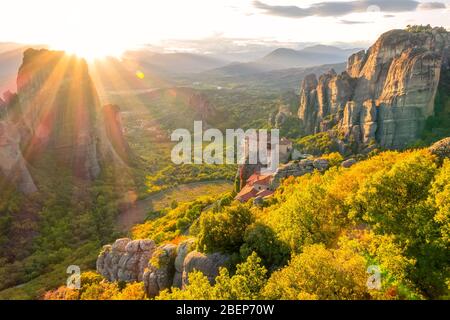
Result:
<point x="87" y="178"/>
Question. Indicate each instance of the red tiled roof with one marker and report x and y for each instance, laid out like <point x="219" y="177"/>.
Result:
<point x="264" y="193"/>
<point x="246" y="193"/>
<point x="259" y="178"/>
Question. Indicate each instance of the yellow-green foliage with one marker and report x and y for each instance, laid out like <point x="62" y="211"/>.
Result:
<point x="317" y="144"/>
<point x="334" y="158"/>
<point x="94" y="287"/>
<point x="173" y="223"/>
<point x="246" y="284"/>
<point x="173" y="175"/>
<point x="390" y="211"/>
<point x="320" y="273"/>
<point x="319" y="234"/>
<point x="224" y="231"/>
<point x="439" y="199"/>
<point x="401" y="196"/>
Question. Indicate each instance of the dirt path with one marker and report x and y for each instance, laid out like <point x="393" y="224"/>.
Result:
<point x="137" y="212"/>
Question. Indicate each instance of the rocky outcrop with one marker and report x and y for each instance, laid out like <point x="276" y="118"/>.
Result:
<point x="58" y="104"/>
<point x="298" y="168"/>
<point x="158" y="268"/>
<point x="56" y="113"/>
<point x="208" y="264"/>
<point x="386" y="93"/>
<point x="348" y="163"/>
<point x="12" y="163"/>
<point x="441" y="148"/>
<point x="125" y="260"/>
<point x="161" y="270"/>
<point x="182" y="251"/>
<point x="114" y="142"/>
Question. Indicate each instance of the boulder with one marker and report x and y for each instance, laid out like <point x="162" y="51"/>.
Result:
<point x="125" y="260"/>
<point x="182" y="251"/>
<point x="160" y="272"/>
<point x="321" y="164"/>
<point x="441" y="148"/>
<point x="208" y="264"/>
<point x="348" y="163"/>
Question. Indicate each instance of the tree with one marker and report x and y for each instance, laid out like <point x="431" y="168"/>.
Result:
<point x="320" y="273"/>
<point x="224" y="231"/>
<point x="263" y="240"/>
<point x="403" y="201"/>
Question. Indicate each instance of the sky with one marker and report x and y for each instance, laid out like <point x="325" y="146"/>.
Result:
<point x="111" y="26"/>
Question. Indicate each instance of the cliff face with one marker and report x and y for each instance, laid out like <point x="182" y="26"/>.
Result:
<point x="113" y="140"/>
<point x="57" y="112"/>
<point x="158" y="268"/>
<point x="58" y="104"/>
<point x="385" y="94"/>
<point x="12" y="163"/>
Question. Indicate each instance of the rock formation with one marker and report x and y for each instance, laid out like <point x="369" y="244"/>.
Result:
<point x="160" y="272"/>
<point x="441" y="148"/>
<point x="158" y="268"/>
<point x="114" y="142"/>
<point x="386" y="93"/>
<point x="12" y="163"/>
<point x="182" y="251"/>
<point x="57" y="112"/>
<point x="125" y="260"/>
<point x="298" y="168"/>
<point x="208" y="264"/>
<point x="58" y="104"/>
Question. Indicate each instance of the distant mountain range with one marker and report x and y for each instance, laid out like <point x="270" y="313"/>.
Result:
<point x="161" y="69"/>
<point x="284" y="58"/>
<point x="174" y="63"/>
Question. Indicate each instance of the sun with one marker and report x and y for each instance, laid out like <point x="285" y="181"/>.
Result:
<point x="89" y="49"/>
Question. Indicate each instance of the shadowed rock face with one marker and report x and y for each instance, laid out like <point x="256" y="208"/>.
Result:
<point x="114" y="133"/>
<point x="58" y="104"/>
<point x="208" y="264"/>
<point x="385" y="94"/>
<point x="56" y="112"/>
<point x="12" y="164"/>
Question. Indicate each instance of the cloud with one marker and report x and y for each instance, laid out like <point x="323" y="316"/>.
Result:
<point x="431" y="6"/>
<point x="354" y="22"/>
<point x="336" y="9"/>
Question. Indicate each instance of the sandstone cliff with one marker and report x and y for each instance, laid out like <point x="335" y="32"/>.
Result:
<point x="57" y="113"/>
<point x="158" y="268"/>
<point x="58" y="104"/>
<point x="114" y="144"/>
<point x="386" y="93"/>
<point x="12" y="163"/>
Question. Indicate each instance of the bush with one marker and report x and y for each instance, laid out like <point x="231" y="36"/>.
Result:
<point x="224" y="231"/>
<point x="262" y="239"/>
<point x="320" y="273"/>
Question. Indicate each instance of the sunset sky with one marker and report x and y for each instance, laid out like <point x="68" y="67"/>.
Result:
<point x="110" y="26"/>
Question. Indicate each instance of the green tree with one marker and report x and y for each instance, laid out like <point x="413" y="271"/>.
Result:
<point x="224" y="231"/>
<point x="320" y="273"/>
<point x="263" y="240"/>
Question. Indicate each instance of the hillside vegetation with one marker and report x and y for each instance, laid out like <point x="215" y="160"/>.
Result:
<point x="320" y="236"/>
